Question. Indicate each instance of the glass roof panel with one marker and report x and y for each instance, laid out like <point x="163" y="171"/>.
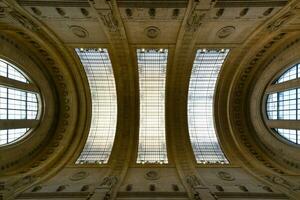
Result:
<point x="204" y="75"/>
<point x="98" y="68"/>
<point x="152" y="64"/>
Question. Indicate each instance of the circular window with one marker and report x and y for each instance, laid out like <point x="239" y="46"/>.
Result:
<point x="19" y="103"/>
<point x="283" y="105"/>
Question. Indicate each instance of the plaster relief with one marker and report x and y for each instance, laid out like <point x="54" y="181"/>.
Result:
<point x="79" y="31"/>
<point x="24" y="21"/>
<point x="225" y="176"/>
<point x="79" y="176"/>
<point x="194" y="21"/>
<point x="109" y="20"/>
<point x="193" y="181"/>
<point x="275" y="25"/>
<point x="282" y="182"/>
<point x="225" y="32"/>
<point x="2" y="12"/>
<point x="152" y="32"/>
<point x="109" y="181"/>
<point x="152" y="175"/>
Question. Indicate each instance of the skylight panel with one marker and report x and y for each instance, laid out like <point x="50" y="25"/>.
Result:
<point x="98" y="68"/>
<point x="152" y="64"/>
<point x="203" y="79"/>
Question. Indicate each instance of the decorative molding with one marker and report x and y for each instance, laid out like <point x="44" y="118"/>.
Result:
<point x="79" y="31"/>
<point x="193" y="181"/>
<point x="225" y="176"/>
<point x="79" y="176"/>
<point x="194" y="20"/>
<point x="282" y="182"/>
<point x="2" y="12"/>
<point x="109" y="181"/>
<point x="250" y="195"/>
<point x="238" y="102"/>
<point x="225" y="32"/>
<point x="38" y="195"/>
<point x="24" y="21"/>
<point x="26" y="180"/>
<point x="109" y="20"/>
<point x="152" y="32"/>
<point x="280" y="21"/>
<point x="152" y="175"/>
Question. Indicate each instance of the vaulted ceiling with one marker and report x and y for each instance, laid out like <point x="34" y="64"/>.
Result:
<point x="44" y="35"/>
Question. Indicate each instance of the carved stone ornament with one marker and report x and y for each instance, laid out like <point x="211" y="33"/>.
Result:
<point x="225" y="176"/>
<point x="109" y="20"/>
<point x="2" y="12"/>
<point x="194" y="21"/>
<point x="79" y="176"/>
<point x="275" y="25"/>
<point x="225" y="31"/>
<point x="152" y="175"/>
<point x="282" y="182"/>
<point x="193" y="181"/>
<point x="24" y="21"/>
<point x="109" y="181"/>
<point x="152" y="32"/>
<point x="24" y="181"/>
<point x="79" y="31"/>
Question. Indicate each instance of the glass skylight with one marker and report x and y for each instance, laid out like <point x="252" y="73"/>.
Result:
<point x="98" y="68"/>
<point x="152" y="64"/>
<point x="204" y="75"/>
<point x="18" y="107"/>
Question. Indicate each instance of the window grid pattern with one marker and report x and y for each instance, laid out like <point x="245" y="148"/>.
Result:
<point x="284" y="105"/>
<point x="10" y="135"/>
<point x="98" y="68"/>
<point x="9" y="71"/>
<point x="17" y="104"/>
<point x="289" y="134"/>
<point x="152" y="64"/>
<point x="290" y="74"/>
<point x="202" y="133"/>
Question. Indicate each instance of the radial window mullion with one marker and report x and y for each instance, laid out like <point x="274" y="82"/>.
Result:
<point x="98" y="68"/>
<point x="203" y="138"/>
